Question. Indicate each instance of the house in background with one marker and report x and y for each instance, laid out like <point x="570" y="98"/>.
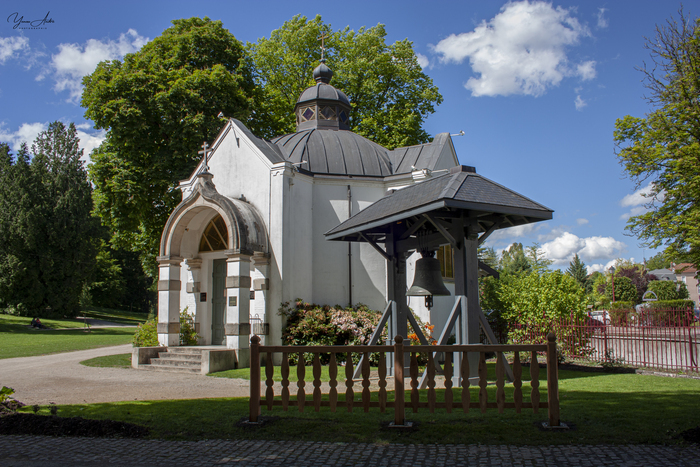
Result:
<point x="687" y="273"/>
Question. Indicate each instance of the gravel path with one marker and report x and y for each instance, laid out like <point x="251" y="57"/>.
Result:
<point x="60" y="378"/>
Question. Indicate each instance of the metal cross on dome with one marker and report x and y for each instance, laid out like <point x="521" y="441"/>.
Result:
<point x="206" y="150"/>
<point x="323" y="37"/>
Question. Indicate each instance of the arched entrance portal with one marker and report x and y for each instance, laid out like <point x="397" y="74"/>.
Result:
<point x="210" y="242"/>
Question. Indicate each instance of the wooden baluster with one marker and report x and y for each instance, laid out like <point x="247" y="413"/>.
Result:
<point x="517" y="382"/>
<point x="483" y="395"/>
<point x="317" y="382"/>
<point x="415" y="395"/>
<point x="382" y="382"/>
<point x="285" y="381"/>
<point x="333" y="373"/>
<point x="365" y="382"/>
<point x="535" y="382"/>
<point x="301" y="371"/>
<point x="500" y="381"/>
<point x="269" y="381"/>
<point x="349" y="394"/>
<point x="466" y="396"/>
<point x="431" y="383"/>
<point x="447" y="370"/>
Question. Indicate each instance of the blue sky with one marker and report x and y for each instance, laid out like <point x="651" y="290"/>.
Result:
<point x="535" y="86"/>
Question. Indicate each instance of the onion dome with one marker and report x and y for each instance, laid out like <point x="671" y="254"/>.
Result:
<point x="322" y="106"/>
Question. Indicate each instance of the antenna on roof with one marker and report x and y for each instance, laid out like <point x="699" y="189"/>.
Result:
<point x="461" y="133"/>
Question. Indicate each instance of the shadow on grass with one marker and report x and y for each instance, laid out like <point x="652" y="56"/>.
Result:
<point x="627" y="413"/>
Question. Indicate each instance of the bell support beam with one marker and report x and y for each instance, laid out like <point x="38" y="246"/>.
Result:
<point x="441" y="229"/>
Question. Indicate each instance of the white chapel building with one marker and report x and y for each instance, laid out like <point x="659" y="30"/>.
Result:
<point x="249" y="232"/>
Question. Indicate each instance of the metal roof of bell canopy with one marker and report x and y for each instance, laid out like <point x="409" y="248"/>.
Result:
<point x="462" y="190"/>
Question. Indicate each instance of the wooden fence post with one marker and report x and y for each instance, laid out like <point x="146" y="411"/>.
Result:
<point x="399" y="408"/>
<point x="552" y="379"/>
<point x="254" y="379"/>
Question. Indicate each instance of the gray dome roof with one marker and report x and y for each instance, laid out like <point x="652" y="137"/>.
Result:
<point x="338" y="152"/>
<point x="323" y="91"/>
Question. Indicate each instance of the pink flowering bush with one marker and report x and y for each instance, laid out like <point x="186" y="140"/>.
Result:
<point x="311" y="324"/>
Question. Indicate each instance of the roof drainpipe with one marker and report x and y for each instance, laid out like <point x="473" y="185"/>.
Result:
<point x="349" y="250"/>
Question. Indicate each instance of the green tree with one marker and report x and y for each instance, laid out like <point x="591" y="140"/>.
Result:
<point x="48" y="233"/>
<point x="658" y="261"/>
<point x="624" y="288"/>
<point x="536" y="256"/>
<point x="514" y="262"/>
<point x="669" y="290"/>
<point x="158" y="106"/>
<point x="391" y="95"/>
<point x="577" y="270"/>
<point x="663" y="149"/>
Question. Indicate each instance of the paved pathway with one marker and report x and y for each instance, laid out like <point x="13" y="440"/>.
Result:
<point x="31" y="451"/>
<point x="60" y="378"/>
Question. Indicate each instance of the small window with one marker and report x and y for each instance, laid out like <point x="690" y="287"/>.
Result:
<point x="215" y="236"/>
<point x="444" y="254"/>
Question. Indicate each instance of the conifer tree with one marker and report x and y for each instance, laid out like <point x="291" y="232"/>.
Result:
<point x="577" y="270"/>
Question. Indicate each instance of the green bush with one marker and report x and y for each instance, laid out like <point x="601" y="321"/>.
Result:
<point x="625" y="291"/>
<point x="146" y="334"/>
<point x="188" y="335"/>
<point x="620" y="312"/>
<point x="669" y="290"/>
<point x="667" y="312"/>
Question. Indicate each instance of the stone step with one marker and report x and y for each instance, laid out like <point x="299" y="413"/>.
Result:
<point x="189" y="350"/>
<point x="180" y="356"/>
<point x="176" y="363"/>
<point x="170" y="369"/>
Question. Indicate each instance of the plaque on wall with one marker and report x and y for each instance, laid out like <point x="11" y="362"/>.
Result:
<point x="232" y="301"/>
<point x="203" y="297"/>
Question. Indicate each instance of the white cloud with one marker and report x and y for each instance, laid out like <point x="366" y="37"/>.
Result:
<point x="639" y="201"/>
<point x="512" y="232"/>
<point x="580" y="103"/>
<point x="74" y="61"/>
<point x="522" y="50"/>
<point x="423" y="61"/>
<point x="11" y="46"/>
<point x="600" y="267"/>
<point x="602" y="20"/>
<point x="27" y="133"/>
<point x="586" y="70"/>
<point x="563" y="248"/>
<point x="582" y="221"/>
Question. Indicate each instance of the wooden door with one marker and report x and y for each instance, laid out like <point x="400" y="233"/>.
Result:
<point x="218" y="302"/>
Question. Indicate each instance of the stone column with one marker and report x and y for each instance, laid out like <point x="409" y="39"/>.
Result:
<point x="169" y="300"/>
<point x="237" y="327"/>
<point x="193" y="288"/>
<point x="261" y="285"/>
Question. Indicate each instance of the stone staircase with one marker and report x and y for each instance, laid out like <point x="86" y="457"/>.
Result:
<point x="177" y="360"/>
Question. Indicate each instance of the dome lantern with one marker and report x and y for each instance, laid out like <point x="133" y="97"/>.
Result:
<point x="322" y="106"/>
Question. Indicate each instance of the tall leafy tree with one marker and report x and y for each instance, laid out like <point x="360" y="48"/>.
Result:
<point x="48" y="232"/>
<point x="390" y="93"/>
<point x="536" y="256"/>
<point x="663" y="149"/>
<point x="577" y="270"/>
<point x="514" y="261"/>
<point x="158" y="106"/>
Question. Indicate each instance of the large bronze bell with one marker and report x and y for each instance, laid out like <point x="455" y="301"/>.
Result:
<point x="427" y="280"/>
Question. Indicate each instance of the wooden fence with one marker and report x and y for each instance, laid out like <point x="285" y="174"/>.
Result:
<point x="400" y="404"/>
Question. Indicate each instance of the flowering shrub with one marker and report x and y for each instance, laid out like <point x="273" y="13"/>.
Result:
<point x="311" y="324"/>
<point x="146" y="334"/>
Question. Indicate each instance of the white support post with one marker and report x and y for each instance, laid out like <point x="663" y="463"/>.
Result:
<point x="261" y="286"/>
<point x="169" y="300"/>
<point x="193" y="288"/>
<point x="237" y="327"/>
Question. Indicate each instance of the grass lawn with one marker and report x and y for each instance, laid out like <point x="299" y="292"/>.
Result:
<point x="115" y="316"/>
<point x="109" y="361"/>
<point x="17" y="339"/>
<point x="603" y="409"/>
